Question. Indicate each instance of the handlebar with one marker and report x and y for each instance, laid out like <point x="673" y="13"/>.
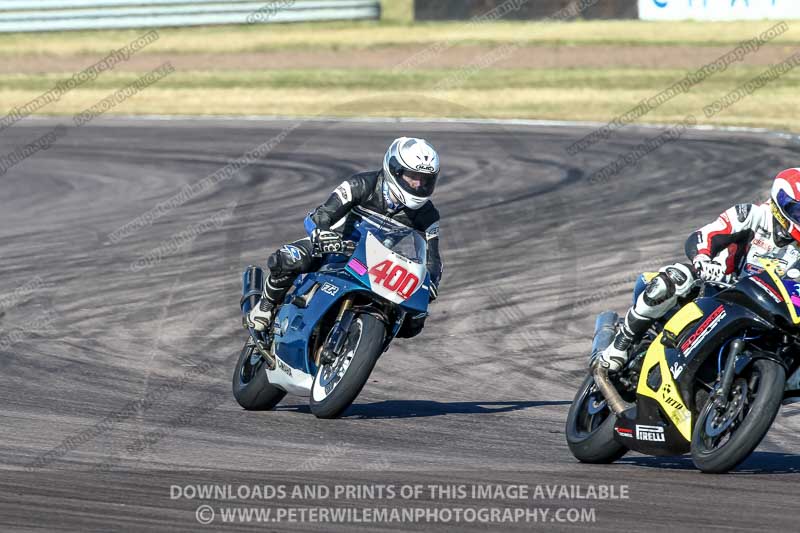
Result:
<point x="348" y="247"/>
<point x="721" y="284"/>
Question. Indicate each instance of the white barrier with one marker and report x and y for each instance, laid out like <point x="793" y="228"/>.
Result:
<point x="719" y="9"/>
<point x="55" y="15"/>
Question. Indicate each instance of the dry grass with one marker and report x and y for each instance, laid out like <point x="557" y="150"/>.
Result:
<point x="775" y="109"/>
<point x="579" y="93"/>
<point x="348" y="35"/>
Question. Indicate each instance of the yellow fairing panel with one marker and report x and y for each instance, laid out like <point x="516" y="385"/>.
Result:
<point x="688" y="314"/>
<point x="667" y="395"/>
<point x="786" y="297"/>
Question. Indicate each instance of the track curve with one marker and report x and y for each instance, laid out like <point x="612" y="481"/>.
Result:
<point x="532" y="252"/>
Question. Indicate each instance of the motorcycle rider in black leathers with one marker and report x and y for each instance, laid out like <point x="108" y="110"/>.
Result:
<point x="733" y="245"/>
<point x="401" y="191"/>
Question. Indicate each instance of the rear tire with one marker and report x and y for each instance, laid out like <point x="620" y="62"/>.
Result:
<point x="336" y="386"/>
<point x="760" y="412"/>
<point x="250" y="384"/>
<point x="590" y="427"/>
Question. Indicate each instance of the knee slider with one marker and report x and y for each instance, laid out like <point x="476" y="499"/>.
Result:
<point x="682" y="277"/>
<point x="660" y="289"/>
<point x="288" y="260"/>
<point x="658" y="298"/>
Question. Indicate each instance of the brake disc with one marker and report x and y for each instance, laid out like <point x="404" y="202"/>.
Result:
<point x="718" y="422"/>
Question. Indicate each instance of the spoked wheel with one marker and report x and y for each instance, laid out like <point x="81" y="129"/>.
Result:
<point x="590" y="427"/>
<point x="337" y="385"/>
<point x="250" y="384"/>
<point x="726" y="435"/>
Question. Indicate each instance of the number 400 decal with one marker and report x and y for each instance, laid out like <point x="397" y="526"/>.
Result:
<point x="395" y="278"/>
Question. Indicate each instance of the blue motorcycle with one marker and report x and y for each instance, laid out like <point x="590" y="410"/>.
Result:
<point x="335" y="322"/>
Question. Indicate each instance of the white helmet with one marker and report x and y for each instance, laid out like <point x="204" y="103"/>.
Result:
<point x="410" y="170"/>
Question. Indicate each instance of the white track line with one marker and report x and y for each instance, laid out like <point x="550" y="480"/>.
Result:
<point x="415" y="120"/>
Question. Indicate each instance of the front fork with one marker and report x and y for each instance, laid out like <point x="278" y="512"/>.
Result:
<point x="333" y="345"/>
<point x="721" y="399"/>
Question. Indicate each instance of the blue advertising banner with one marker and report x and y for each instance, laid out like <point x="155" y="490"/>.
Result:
<point x="718" y="9"/>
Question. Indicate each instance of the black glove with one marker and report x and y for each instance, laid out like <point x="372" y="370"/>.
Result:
<point x="327" y="242"/>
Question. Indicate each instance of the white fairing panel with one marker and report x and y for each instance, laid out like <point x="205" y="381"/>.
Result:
<point x="290" y="379"/>
<point x="400" y="285"/>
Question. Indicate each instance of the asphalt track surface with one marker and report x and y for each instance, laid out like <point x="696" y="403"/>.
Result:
<point x="532" y="250"/>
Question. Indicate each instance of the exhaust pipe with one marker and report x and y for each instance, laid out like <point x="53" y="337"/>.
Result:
<point x="609" y="392"/>
<point x="252" y="287"/>
<point x="605" y="328"/>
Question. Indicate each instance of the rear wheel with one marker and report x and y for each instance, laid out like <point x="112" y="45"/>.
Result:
<point x="338" y="384"/>
<point x="590" y="427"/>
<point x="251" y="387"/>
<point x="724" y="437"/>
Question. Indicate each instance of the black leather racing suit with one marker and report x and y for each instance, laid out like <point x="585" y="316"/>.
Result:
<point x="339" y="213"/>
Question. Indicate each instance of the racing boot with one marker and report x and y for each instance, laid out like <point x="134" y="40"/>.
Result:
<point x="275" y="289"/>
<point x="260" y="316"/>
<point x="659" y="296"/>
<point x="629" y="333"/>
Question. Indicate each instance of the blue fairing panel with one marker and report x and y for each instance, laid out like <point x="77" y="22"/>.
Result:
<point x="337" y="277"/>
<point x="297" y="324"/>
<point x="420" y="299"/>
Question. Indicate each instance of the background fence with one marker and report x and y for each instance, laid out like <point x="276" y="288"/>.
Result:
<point x="522" y="9"/>
<point x="612" y="9"/>
<point x="53" y="15"/>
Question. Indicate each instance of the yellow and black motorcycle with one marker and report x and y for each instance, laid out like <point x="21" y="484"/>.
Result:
<point x="708" y="381"/>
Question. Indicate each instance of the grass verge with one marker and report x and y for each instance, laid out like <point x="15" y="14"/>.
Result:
<point x="576" y="94"/>
<point x="565" y="93"/>
<point x="359" y="35"/>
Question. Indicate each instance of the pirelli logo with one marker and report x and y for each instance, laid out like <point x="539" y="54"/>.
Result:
<point x="650" y="433"/>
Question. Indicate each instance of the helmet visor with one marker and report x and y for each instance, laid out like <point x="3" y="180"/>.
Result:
<point x="789" y="207"/>
<point x="417" y="183"/>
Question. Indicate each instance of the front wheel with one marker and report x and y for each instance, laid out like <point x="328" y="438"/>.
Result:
<point x="251" y="387"/>
<point x="723" y="438"/>
<point x="590" y="427"/>
<point x="338" y="384"/>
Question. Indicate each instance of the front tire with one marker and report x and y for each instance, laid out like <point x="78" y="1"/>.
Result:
<point x="590" y="427"/>
<point x="250" y="384"/>
<point x="717" y="447"/>
<point x="337" y="385"/>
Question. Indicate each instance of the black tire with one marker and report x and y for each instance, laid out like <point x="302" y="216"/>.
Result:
<point x="590" y="437"/>
<point x="251" y="387"/>
<point x="758" y="417"/>
<point x="368" y="347"/>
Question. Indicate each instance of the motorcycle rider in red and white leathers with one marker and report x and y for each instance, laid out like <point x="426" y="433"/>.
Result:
<point x="723" y="250"/>
<point x="401" y="191"/>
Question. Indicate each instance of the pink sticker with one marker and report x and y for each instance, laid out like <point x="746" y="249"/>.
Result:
<point x="357" y="266"/>
<point x="796" y="300"/>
